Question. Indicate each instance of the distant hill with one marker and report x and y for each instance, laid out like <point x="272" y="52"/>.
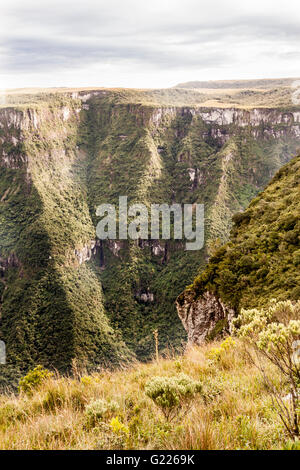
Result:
<point x="265" y="84"/>
<point x="213" y="94"/>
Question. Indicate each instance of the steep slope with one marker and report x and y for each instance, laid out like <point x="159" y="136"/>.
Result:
<point x="219" y="157"/>
<point x="52" y="303"/>
<point x="67" y="295"/>
<point x="260" y="262"/>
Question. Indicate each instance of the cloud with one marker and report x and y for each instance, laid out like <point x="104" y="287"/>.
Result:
<point x="131" y="38"/>
<point x="43" y="54"/>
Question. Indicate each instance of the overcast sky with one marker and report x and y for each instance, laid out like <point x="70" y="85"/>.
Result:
<point x="146" y="43"/>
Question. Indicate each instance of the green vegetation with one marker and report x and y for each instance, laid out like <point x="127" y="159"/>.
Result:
<point x="52" y="306"/>
<point x="123" y="145"/>
<point x="172" y="394"/>
<point x="61" y="299"/>
<point x="73" y="303"/>
<point x="275" y="334"/>
<point x="261" y="260"/>
<point x="34" y="379"/>
<point x="267" y="93"/>
<point x="243" y="93"/>
<point x="98" y="410"/>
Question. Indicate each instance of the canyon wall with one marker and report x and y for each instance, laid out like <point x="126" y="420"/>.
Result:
<point x="66" y="295"/>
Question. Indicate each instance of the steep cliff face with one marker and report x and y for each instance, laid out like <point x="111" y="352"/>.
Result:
<point x="204" y="318"/>
<point x="51" y="301"/>
<point x="219" y="157"/>
<point x="65" y="294"/>
<point x="260" y="262"/>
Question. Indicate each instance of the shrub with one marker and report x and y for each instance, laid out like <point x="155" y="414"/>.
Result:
<point x="34" y="379"/>
<point x="295" y="294"/>
<point x="288" y="222"/>
<point x="118" y="427"/>
<point x="9" y="413"/>
<point x="292" y="237"/>
<point x="88" y="380"/>
<point x="212" y="389"/>
<point x="97" y="410"/>
<point x="172" y="394"/>
<point x="54" y="399"/>
<point x="274" y="332"/>
<point x="245" y="264"/>
<point x="296" y="257"/>
<point x="215" y="354"/>
<point x="241" y="217"/>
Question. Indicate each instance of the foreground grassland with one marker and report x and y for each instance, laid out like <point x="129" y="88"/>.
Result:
<point x="232" y="411"/>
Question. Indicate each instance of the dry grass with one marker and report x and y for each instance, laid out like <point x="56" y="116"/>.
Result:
<point x="233" y="412"/>
<point x="243" y="98"/>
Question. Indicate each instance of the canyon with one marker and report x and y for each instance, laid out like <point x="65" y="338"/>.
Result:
<point x="65" y="295"/>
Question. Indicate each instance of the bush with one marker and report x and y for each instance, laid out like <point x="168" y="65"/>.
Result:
<point x="295" y="294"/>
<point x="212" y="389"/>
<point x="296" y="257"/>
<point x="245" y="264"/>
<point x="34" y="379"/>
<point x="118" y="427"/>
<point x="98" y="410"/>
<point x="88" y="380"/>
<point x="274" y="332"/>
<point x="54" y="399"/>
<point x="172" y="394"/>
<point x="215" y="354"/>
<point x="9" y="413"/>
<point x="241" y="217"/>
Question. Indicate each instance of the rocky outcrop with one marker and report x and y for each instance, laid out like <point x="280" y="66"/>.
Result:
<point x="204" y="316"/>
<point x="144" y="295"/>
<point x="84" y="254"/>
<point x="115" y="246"/>
<point x="263" y="122"/>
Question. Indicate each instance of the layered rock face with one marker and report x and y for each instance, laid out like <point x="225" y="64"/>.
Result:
<point x="202" y="318"/>
<point x="66" y="295"/>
